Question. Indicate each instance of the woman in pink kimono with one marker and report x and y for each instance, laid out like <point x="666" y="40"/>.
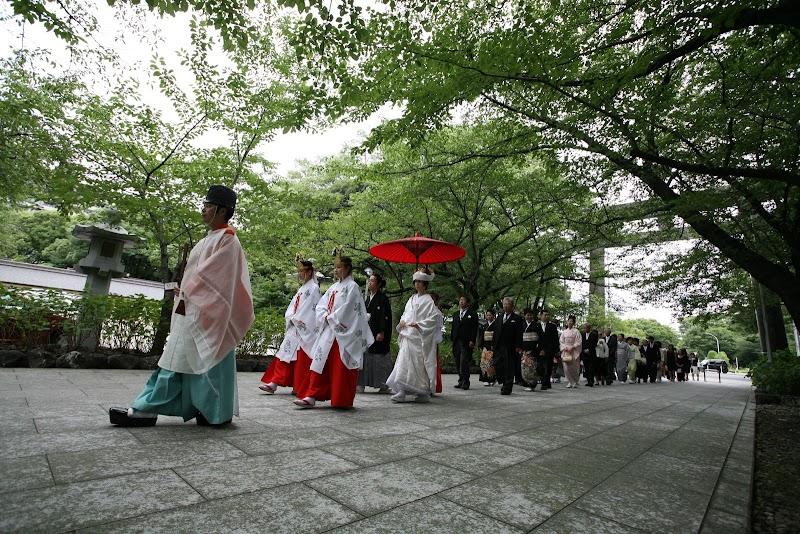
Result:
<point x="570" y="342"/>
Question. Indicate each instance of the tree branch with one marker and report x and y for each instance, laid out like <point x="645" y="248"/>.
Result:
<point x="720" y="172"/>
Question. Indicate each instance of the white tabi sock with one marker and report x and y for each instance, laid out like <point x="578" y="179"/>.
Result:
<point x="133" y="414"/>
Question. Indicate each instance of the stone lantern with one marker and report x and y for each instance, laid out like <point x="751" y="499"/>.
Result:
<point x="104" y="260"/>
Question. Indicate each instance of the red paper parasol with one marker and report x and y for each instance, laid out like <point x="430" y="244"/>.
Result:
<point x="417" y="250"/>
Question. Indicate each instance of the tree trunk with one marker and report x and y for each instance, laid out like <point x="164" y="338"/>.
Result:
<point x="769" y="317"/>
<point x="772" y="275"/>
<point x="162" y="331"/>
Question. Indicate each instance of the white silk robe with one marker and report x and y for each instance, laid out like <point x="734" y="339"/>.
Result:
<point x="415" y="368"/>
<point x="218" y="302"/>
<point x="301" y="322"/>
<point x="342" y="317"/>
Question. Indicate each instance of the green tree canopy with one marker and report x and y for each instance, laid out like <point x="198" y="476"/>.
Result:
<point x="689" y="103"/>
<point x="519" y="219"/>
<point x="38" y="113"/>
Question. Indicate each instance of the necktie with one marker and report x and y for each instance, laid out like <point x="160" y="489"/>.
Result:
<point x="505" y="318"/>
<point x="462" y="315"/>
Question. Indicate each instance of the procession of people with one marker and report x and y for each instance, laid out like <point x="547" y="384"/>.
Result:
<point x="338" y="343"/>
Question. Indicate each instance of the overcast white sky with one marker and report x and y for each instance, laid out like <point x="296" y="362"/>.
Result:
<point x="284" y="150"/>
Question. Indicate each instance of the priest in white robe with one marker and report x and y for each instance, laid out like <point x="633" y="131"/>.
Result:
<point x="196" y="375"/>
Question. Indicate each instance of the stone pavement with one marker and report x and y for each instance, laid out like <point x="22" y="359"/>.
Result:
<point x="624" y="458"/>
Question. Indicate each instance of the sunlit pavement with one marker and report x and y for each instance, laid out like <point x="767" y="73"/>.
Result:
<point x="664" y="457"/>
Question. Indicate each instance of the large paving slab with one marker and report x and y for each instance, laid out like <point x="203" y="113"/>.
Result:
<point x="624" y="458"/>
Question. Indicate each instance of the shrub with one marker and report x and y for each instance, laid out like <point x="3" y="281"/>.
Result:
<point x="86" y="314"/>
<point x="28" y="317"/>
<point x="781" y="377"/>
<point x="129" y="323"/>
<point x="446" y="353"/>
<point x="721" y="355"/>
<point x="31" y="318"/>
<point x="264" y="336"/>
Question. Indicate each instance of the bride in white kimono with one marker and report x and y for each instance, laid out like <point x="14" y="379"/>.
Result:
<point x="415" y="368"/>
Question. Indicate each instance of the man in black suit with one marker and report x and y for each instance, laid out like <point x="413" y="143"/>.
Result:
<point x="652" y="355"/>
<point x="508" y="346"/>
<point x="611" y="365"/>
<point x="588" y="354"/>
<point x="463" y="335"/>
<point x="548" y="347"/>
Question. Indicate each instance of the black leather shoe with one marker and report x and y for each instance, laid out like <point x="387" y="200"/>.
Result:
<point x="458" y="385"/>
<point x="465" y="386"/>
<point x="119" y="416"/>
<point x="202" y="421"/>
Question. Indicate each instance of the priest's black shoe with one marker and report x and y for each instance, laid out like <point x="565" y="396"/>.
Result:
<point x="119" y="416"/>
<point x="202" y="421"/>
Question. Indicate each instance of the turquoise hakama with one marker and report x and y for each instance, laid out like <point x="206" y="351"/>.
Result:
<point x="213" y="394"/>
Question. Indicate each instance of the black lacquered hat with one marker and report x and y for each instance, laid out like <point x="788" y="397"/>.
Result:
<point x="222" y="195"/>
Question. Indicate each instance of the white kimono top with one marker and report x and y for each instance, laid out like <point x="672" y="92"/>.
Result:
<point x="301" y="322"/>
<point x="218" y="303"/>
<point x="341" y="316"/>
<point x="602" y="348"/>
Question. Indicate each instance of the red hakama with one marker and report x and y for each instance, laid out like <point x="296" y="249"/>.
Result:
<point x="337" y="383"/>
<point x="288" y="374"/>
<point x="302" y="368"/>
<point x="280" y="372"/>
